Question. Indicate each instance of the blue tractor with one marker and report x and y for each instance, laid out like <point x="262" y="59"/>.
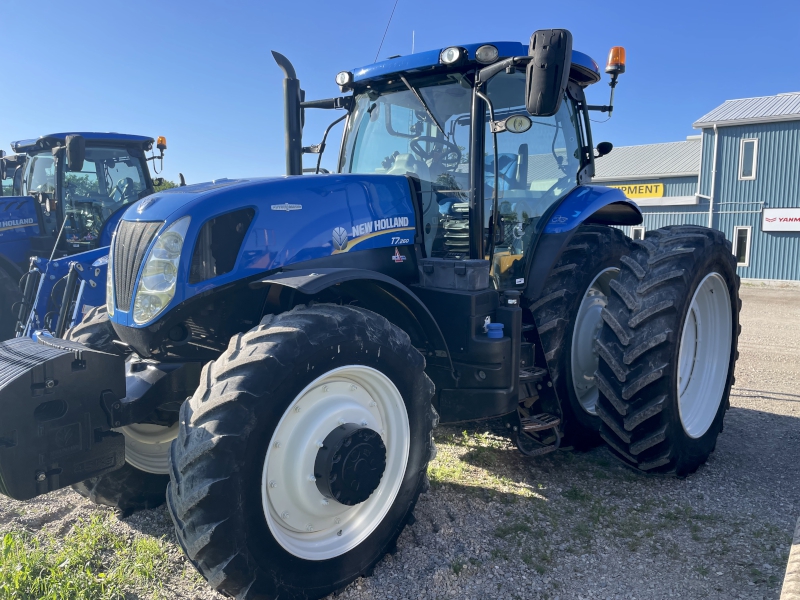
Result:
<point x="275" y="353"/>
<point x="62" y="194"/>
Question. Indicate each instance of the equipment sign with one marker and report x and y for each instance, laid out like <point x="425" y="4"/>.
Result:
<point x="642" y="190"/>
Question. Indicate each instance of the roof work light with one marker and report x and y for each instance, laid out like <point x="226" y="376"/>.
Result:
<point x="616" y="61"/>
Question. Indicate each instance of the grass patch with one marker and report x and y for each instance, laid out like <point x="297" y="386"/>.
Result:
<point x="90" y="562"/>
<point x="576" y="495"/>
<point x="457" y="566"/>
<point x="512" y="529"/>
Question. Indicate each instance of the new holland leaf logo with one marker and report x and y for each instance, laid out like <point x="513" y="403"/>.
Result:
<point x="339" y="238"/>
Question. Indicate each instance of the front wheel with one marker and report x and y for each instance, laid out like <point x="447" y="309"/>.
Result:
<point x="668" y="350"/>
<point x="302" y="453"/>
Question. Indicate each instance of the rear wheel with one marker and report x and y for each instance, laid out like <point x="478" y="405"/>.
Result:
<point x="302" y="453"/>
<point x="668" y="350"/>
<point x="142" y="482"/>
<point x="568" y="317"/>
<point x="10" y="296"/>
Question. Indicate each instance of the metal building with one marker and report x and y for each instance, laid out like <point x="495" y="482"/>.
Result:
<point x="741" y="175"/>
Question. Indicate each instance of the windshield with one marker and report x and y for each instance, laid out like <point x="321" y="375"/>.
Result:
<point x="110" y="179"/>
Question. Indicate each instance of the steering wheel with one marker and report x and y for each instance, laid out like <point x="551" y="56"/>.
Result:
<point x="449" y="155"/>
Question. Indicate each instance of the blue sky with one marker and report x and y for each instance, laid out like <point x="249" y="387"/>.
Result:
<point x="201" y="73"/>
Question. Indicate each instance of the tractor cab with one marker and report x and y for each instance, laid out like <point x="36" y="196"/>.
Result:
<point x="488" y="170"/>
<point x="79" y="181"/>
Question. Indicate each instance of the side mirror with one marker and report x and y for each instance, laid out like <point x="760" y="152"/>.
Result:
<point x="2" y="166"/>
<point x="76" y="152"/>
<point x="158" y="181"/>
<point x="547" y="74"/>
<point x="604" y="148"/>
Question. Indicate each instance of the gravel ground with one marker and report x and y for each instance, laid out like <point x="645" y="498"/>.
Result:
<point x="570" y="526"/>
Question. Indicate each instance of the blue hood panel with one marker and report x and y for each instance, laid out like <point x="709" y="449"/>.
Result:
<point x="296" y="219"/>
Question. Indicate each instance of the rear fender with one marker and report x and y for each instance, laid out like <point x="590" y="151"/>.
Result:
<point x="585" y="204"/>
<point x="374" y="291"/>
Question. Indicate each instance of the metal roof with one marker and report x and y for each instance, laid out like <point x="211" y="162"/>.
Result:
<point x="650" y="161"/>
<point x="764" y="109"/>
<point x="54" y="139"/>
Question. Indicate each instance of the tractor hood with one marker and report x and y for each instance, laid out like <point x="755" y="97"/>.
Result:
<point x="276" y="222"/>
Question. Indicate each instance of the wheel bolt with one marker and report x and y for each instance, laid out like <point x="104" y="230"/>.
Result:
<point x="277" y="444"/>
<point x="341" y="421"/>
<point x="324" y="502"/>
<point x="273" y="484"/>
<point x="353" y="388"/>
<point x="311" y="478"/>
<point x="320" y="444"/>
<point x="324" y="388"/>
<point x="337" y="520"/>
<point x="297" y="408"/>
<point x="364" y="423"/>
<point x="309" y="527"/>
<point x="285" y="515"/>
<point x="373" y="404"/>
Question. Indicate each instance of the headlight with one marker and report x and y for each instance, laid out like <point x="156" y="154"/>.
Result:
<point x="156" y="286"/>
<point x="450" y="56"/>
<point x="486" y="54"/>
<point x="110" y="280"/>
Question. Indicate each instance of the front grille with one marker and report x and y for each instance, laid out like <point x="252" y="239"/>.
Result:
<point x="130" y="244"/>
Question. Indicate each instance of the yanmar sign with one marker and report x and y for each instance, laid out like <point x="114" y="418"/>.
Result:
<point x="780" y="219"/>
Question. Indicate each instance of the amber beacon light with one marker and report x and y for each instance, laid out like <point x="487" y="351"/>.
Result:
<point x="616" y="61"/>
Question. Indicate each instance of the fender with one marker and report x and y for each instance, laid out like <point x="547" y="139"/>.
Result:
<point x="585" y="204"/>
<point x="376" y="292"/>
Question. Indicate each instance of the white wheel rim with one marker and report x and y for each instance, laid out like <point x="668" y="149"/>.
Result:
<point x="704" y="355"/>
<point x="300" y="518"/>
<point x="588" y="324"/>
<point x="147" y="446"/>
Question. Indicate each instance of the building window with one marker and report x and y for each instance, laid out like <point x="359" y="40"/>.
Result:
<point x="741" y="245"/>
<point x="748" y="155"/>
<point x="637" y="233"/>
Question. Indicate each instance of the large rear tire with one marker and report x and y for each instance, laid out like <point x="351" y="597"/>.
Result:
<point x="129" y="488"/>
<point x="668" y="349"/>
<point x="567" y="315"/>
<point x="246" y="490"/>
<point x="10" y="296"/>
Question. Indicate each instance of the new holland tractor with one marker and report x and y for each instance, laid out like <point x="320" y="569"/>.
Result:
<point x="275" y="352"/>
<point x="62" y="194"/>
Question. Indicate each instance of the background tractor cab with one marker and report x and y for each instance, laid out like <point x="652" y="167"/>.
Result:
<point x="62" y="194"/>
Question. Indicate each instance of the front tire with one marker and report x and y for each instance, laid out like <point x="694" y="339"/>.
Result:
<point x="252" y="508"/>
<point x="668" y="350"/>
<point x="141" y="483"/>
<point x="567" y="315"/>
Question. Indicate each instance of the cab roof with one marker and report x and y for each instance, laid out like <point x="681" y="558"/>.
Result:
<point x="57" y="139"/>
<point x="584" y="70"/>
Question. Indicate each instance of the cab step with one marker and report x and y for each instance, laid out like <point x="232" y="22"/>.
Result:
<point x="539" y="422"/>
<point x="531" y="374"/>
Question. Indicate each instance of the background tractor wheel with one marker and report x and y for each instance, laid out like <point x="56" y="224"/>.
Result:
<point x="567" y="314"/>
<point x="668" y="349"/>
<point x="142" y="482"/>
<point x="9" y="296"/>
<point x="302" y="453"/>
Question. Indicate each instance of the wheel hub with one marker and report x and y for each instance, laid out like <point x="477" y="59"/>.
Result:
<point x="350" y="464"/>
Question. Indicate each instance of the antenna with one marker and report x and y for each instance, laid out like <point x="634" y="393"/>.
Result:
<point x="387" y="29"/>
<point x="412" y="40"/>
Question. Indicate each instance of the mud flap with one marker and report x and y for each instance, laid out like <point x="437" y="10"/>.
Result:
<point x="54" y="430"/>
